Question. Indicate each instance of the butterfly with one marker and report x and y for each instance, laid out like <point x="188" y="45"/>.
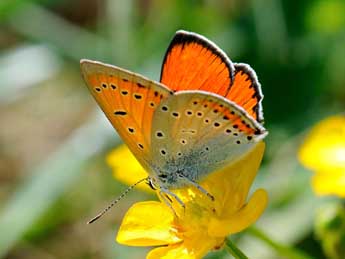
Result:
<point x="205" y="112"/>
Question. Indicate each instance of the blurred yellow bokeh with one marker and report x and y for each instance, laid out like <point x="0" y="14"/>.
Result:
<point x="323" y="152"/>
<point x="126" y="168"/>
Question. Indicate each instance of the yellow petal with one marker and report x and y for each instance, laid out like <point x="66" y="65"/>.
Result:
<point x="148" y="224"/>
<point x="193" y="247"/>
<point x="231" y="185"/>
<point x="169" y="252"/>
<point x="242" y="219"/>
<point x="324" y="147"/>
<point x="329" y="183"/>
<point x="126" y="168"/>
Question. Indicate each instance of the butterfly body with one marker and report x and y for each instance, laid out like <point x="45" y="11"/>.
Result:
<point x="205" y="113"/>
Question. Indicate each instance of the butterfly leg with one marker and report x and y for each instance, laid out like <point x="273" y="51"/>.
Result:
<point x="198" y="186"/>
<point x="167" y="200"/>
<point x="166" y="191"/>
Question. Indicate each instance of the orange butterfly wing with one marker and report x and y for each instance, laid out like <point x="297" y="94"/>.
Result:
<point x="128" y="100"/>
<point x="192" y="62"/>
<point x="246" y="91"/>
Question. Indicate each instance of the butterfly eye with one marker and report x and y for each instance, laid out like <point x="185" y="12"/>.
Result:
<point x="151" y="184"/>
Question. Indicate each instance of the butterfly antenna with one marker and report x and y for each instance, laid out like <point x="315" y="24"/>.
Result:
<point x="116" y="201"/>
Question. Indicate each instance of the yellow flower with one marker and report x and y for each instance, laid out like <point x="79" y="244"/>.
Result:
<point x="324" y="152"/>
<point x="203" y="224"/>
<point x="126" y="168"/>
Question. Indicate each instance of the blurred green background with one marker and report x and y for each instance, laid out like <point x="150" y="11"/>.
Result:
<point x="54" y="139"/>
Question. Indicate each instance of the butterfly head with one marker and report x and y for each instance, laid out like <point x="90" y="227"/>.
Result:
<point x="152" y="183"/>
<point x="163" y="180"/>
<point x="174" y="174"/>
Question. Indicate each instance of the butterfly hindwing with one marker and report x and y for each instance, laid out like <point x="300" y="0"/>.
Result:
<point x="202" y="131"/>
<point x="246" y="91"/>
<point x="128" y="100"/>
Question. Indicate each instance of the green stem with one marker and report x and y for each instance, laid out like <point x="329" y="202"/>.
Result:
<point x="234" y="250"/>
<point x="286" y="251"/>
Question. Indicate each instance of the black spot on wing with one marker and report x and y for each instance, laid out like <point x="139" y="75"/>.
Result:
<point x="121" y="113"/>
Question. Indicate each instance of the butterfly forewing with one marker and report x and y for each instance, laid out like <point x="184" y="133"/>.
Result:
<point x="203" y="131"/>
<point x="193" y="62"/>
<point x="129" y="101"/>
